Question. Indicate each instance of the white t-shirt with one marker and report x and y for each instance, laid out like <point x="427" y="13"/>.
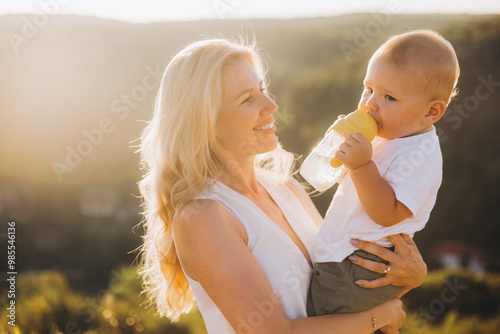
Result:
<point x="413" y="166"/>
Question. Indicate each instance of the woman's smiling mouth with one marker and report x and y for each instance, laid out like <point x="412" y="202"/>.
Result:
<point x="268" y="126"/>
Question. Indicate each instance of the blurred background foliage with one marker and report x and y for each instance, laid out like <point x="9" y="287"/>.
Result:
<point x="47" y="304"/>
<point x="74" y="231"/>
<point x="450" y="301"/>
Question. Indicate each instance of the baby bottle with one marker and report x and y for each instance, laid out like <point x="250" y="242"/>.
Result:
<point x="321" y="169"/>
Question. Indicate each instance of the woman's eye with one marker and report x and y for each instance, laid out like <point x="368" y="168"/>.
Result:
<point x="248" y="99"/>
<point x="390" y="98"/>
<point x="252" y="97"/>
<point x="368" y="89"/>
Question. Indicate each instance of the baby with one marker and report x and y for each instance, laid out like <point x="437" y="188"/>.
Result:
<point x="392" y="183"/>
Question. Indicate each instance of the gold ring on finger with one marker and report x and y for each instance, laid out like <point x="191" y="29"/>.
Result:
<point x="387" y="271"/>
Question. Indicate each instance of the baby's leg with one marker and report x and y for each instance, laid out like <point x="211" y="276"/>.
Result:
<point x="340" y="294"/>
<point x="324" y="284"/>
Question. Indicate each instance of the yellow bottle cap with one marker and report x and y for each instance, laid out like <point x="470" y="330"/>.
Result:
<point x="357" y="121"/>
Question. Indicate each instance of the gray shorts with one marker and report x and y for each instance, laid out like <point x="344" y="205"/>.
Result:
<point x="333" y="290"/>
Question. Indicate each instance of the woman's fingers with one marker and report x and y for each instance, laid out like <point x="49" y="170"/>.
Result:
<point x="407" y="268"/>
<point x="377" y="267"/>
<point x="376" y="283"/>
<point x="381" y="268"/>
<point x="403" y="244"/>
<point x="408" y="239"/>
<point x="374" y="249"/>
<point x="398" y="241"/>
<point x="410" y="260"/>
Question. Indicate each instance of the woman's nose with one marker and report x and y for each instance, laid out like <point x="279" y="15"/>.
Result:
<point x="269" y="106"/>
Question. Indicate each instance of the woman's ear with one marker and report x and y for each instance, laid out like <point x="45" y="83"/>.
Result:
<point x="435" y="111"/>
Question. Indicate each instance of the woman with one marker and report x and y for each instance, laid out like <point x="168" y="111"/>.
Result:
<point x="218" y="181"/>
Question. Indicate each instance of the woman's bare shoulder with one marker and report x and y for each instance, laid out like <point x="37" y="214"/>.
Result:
<point x="199" y="213"/>
<point x="202" y="216"/>
<point x="202" y="227"/>
<point x="197" y="208"/>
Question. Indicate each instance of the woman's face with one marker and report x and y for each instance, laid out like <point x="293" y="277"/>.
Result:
<point x="245" y="124"/>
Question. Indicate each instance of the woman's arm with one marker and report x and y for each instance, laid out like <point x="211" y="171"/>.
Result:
<point x="211" y="244"/>
<point x="388" y="319"/>
<point x="408" y="269"/>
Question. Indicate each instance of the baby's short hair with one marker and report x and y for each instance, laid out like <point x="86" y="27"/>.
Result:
<point x="428" y="53"/>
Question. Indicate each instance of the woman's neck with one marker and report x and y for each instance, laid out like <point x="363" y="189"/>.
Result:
<point x="239" y="175"/>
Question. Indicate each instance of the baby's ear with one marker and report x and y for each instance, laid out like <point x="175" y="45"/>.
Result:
<point x="435" y="111"/>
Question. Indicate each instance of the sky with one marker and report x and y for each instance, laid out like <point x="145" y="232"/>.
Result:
<point x="176" y="10"/>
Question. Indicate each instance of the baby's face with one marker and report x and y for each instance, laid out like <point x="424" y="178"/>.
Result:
<point x="396" y="98"/>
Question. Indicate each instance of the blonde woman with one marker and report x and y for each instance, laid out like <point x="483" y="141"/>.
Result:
<point x="225" y="224"/>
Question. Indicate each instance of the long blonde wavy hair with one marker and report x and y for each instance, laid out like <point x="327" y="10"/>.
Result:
<point x="179" y="153"/>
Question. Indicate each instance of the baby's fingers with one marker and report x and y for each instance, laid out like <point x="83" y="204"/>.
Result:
<point x="360" y="137"/>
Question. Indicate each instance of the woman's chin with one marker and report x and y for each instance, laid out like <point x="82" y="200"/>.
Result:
<point x="268" y="147"/>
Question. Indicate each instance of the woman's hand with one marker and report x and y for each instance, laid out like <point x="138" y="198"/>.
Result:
<point x="390" y="316"/>
<point x="406" y="267"/>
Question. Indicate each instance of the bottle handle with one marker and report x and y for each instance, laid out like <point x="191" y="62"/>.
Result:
<point x="335" y="163"/>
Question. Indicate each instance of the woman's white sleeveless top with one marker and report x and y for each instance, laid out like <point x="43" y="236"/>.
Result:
<point x="285" y="266"/>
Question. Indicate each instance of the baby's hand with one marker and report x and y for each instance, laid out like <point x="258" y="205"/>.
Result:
<point x="355" y="151"/>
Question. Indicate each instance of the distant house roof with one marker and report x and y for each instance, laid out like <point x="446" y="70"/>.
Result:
<point x="452" y="247"/>
<point x="454" y="253"/>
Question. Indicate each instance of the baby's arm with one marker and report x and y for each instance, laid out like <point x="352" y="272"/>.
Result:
<point x="375" y="194"/>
